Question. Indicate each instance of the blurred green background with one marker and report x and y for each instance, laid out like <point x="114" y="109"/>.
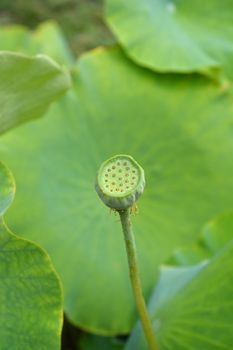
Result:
<point x="81" y="20"/>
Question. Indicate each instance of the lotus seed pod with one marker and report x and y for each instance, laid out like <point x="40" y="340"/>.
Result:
<point x="120" y="182"/>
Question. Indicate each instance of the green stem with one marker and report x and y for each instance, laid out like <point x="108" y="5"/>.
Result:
<point x="135" y="279"/>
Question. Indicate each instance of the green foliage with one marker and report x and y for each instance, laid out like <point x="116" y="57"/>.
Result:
<point x="31" y="299"/>
<point x="191" y="307"/>
<point x="92" y="342"/>
<point x="214" y="236"/>
<point x="172" y="124"/>
<point x="179" y="127"/>
<point x="178" y="36"/>
<point x="7" y="189"/>
<point x="18" y="39"/>
<point x="81" y="20"/>
<point x="28" y="85"/>
<point x="30" y="293"/>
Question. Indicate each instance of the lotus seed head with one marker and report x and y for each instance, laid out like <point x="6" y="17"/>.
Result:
<point x="120" y="182"/>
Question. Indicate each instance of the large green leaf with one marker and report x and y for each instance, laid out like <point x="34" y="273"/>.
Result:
<point x="30" y="293"/>
<point x="177" y="36"/>
<point x="191" y="307"/>
<point x="7" y="189"/>
<point x="47" y="38"/>
<point x="178" y="130"/>
<point x="214" y="236"/>
<point x="27" y="86"/>
<point x="94" y="342"/>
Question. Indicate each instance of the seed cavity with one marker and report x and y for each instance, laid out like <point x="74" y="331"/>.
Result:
<point x="120" y="176"/>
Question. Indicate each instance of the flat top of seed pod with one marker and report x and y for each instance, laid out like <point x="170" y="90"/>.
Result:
<point x="119" y="176"/>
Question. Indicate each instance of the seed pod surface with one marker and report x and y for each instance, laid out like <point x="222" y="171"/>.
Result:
<point x="120" y="182"/>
